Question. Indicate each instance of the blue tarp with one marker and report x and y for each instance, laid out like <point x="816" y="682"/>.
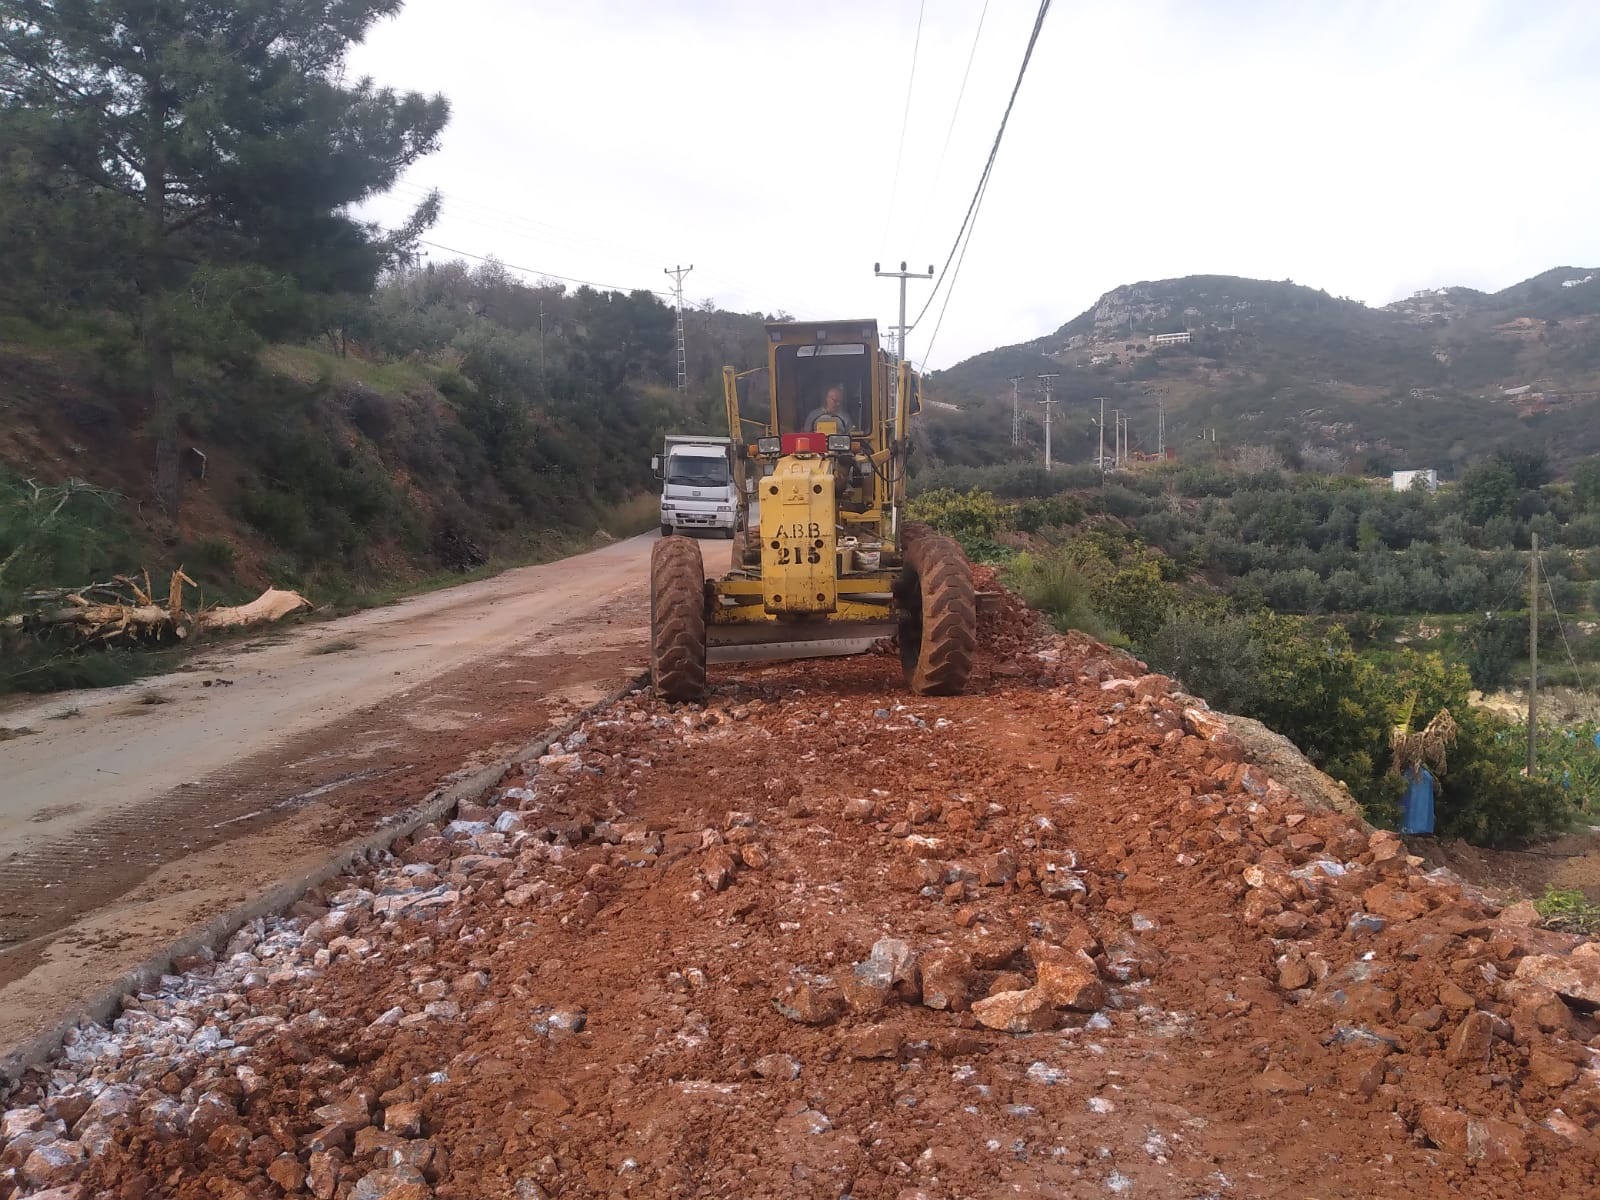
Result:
<point x="1416" y="810"/>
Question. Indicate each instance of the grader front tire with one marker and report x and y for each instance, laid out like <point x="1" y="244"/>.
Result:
<point x="678" y="620"/>
<point x="939" y="631"/>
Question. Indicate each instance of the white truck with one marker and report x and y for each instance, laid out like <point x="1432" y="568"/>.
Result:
<point x="697" y="490"/>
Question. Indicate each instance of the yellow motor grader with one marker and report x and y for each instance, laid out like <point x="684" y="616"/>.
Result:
<point x="825" y="556"/>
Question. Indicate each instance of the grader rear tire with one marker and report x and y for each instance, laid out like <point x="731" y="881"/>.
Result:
<point x="678" y="620"/>
<point x="939" y="628"/>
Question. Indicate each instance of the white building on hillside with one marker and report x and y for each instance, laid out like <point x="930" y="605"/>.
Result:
<point x="1404" y="481"/>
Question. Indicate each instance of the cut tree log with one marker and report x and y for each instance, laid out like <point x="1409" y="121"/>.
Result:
<point x="272" y="605"/>
<point x="124" y="611"/>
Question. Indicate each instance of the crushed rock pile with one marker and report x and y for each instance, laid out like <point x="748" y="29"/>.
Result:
<point x="1057" y="937"/>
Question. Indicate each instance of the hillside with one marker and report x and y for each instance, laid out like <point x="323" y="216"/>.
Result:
<point x="435" y="429"/>
<point x="210" y="358"/>
<point x="1439" y="379"/>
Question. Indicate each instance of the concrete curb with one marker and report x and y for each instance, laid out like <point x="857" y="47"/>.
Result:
<point x="102" y="1005"/>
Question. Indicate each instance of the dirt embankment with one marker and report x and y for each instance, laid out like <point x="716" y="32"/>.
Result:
<point x="1052" y="938"/>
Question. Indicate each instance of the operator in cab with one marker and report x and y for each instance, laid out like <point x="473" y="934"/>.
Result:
<point x="830" y="418"/>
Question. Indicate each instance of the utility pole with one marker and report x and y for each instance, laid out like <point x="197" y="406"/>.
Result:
<point x="1016" y="412"/>
<point x="1533" y="658"/>
<point x="677" y="274"/>
<point x="1116" y="437"/>
<point x="1161" y="428"/>
<point x="1101" y="461"/>
<point x="900" y="330"/>
<point x="902" y="275"/>
<point x="1049" y="403"/>
<point x="541" y="337"/>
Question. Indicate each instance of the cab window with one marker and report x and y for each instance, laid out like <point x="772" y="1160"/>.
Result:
<point x="804" y="375"/>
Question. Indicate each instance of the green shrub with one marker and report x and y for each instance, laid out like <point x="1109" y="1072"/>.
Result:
<point x="1492" y="649"/>
<point x="1054" y="585"/>
<point x="1033" y="515"/>
<point x="1484" y="797"/>
<point x="208" y="555"/>
<point x="1134" y="599"/>
<point x="1219" y="659"/>
<point x="968" y="517"/>
<point x="1123" y="502"/>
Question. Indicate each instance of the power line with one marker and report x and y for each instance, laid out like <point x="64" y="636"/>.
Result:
<point x="1555" y="611"/>
<point x="608" y="287"/>
<point x="905" y="120"/>
<point x="949" y="291"/>
<point x="519" y="223"/>
<point x="569" y="239"/>
<point x="988" y="167"/>
<point x="938" y="170"/>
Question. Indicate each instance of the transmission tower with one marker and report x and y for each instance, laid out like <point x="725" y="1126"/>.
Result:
<point x="1049" y="403"/>
<point x="677" y="274"/>
<point x="1016" y="412"/>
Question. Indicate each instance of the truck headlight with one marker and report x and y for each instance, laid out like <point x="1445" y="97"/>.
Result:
<point x="667" y="506"/>
<point x="838" y="443"/>
<point x="769" y="445"/>
<point x="724" y="508"/>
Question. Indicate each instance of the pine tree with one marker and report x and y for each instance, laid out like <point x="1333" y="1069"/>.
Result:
<point x="212" y="134"/>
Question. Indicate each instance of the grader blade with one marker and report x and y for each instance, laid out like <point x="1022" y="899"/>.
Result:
<point x="788" y="651"/>
<point x="773" y="641"/>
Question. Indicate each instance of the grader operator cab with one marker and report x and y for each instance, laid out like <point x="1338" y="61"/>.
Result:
<point x="825" y="554"/>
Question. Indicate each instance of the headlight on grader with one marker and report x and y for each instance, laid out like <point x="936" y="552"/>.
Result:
<point x="769" y="447"/>
<point x="838" y="443"/>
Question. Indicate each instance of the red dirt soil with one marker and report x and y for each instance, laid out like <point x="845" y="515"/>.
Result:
<point x="647" y="985"/>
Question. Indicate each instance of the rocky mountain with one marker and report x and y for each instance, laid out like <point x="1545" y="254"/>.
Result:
<point x="1437" y="379"/>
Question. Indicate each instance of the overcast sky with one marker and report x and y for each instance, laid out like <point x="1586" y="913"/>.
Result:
<point x="1370" y="148"/>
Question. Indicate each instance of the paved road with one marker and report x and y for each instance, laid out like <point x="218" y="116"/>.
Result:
<point x="128" y="814"/>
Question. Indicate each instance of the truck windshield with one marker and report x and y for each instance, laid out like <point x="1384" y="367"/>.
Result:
<point x="686" y="470"/>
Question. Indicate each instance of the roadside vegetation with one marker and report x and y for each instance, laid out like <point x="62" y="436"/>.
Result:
<point x="1330" y="608"/>
<point x="235" y="376"/>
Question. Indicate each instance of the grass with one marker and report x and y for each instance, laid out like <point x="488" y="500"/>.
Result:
<point x="1568" y="910"/>
<point x="154" y="697"/>
<point x="307" y="364"/>
<point x="638" y="514"/>
<point x="9" y="732"/>
<point x="20" y="336"/>
<point x="36" y="668"/>
<point x="1052" y="585"/>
